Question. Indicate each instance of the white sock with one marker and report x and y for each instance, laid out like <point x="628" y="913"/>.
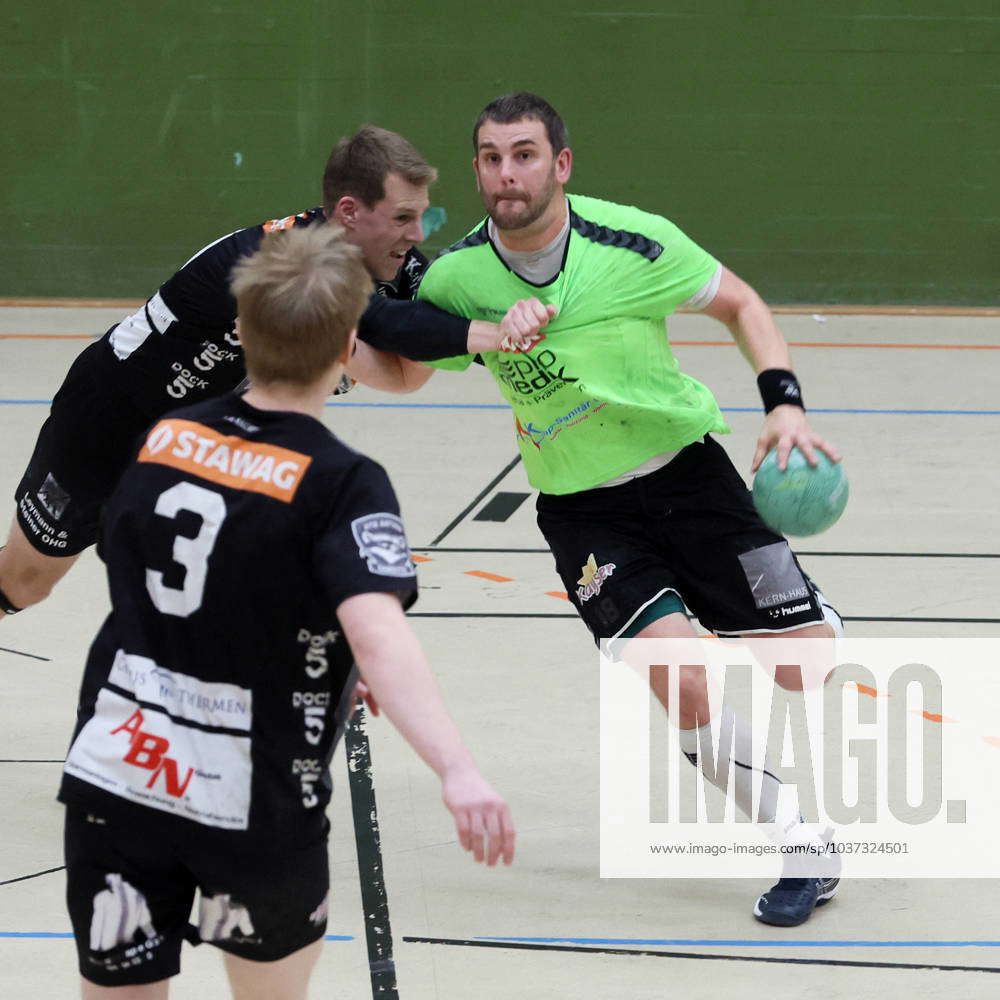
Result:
<point x="776" y="813"/>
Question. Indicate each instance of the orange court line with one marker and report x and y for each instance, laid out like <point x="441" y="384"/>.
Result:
<point x="421" y="558"/>
<point x="50" y="302"/>
<point x="56" y="303"/>
<point x="931" y="717"/>
<point x="864" y="689"/>
<point x="557" y="593"/>
<point x="837" y="343"/>
<point x="994" y="741"/>
<point x="495" y="577"/>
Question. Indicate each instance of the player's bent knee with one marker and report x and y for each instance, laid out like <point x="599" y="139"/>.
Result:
<point x="147" y="991"/>
<point x="284" y="979"/>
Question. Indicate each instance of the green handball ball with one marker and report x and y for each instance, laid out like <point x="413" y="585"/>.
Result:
<point x="802" y="500"/>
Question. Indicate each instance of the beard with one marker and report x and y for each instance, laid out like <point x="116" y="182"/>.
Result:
<point x="525" y="211"/>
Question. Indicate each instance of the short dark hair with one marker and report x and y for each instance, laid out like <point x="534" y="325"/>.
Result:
<point x="514" y="107"/>
<point x="359" y="164"/>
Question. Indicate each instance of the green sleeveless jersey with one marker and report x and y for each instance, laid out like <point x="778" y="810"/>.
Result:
<point x="601" y="392"/>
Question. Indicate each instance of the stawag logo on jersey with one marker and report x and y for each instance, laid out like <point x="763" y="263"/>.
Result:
<point x="593" y="578"/>
<point x="382" y="542"/>
<point x="227" y="460"/>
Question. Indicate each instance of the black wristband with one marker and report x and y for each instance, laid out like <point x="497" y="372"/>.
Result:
<point x="779" y="387"/>
<point x="6" y="605"/>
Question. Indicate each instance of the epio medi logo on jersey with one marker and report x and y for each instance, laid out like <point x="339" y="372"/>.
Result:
<point x="151" y="758"/>
<point x="227" y="460"/>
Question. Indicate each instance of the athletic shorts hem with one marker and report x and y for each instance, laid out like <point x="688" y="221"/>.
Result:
<point x="274" y="955"/>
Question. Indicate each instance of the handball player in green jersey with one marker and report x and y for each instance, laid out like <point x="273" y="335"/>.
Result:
<point x="645" y="514"/>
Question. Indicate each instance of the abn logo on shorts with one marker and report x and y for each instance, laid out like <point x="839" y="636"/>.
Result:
<point x="148" y="751"/>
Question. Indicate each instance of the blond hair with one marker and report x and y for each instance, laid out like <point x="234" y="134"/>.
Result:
<point x="298" y="298"/>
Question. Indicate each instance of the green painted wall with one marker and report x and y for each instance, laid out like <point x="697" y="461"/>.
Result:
<point x="828" y="153"/>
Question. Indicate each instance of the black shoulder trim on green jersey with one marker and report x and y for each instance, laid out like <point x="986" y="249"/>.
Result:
<point x="475" y="239"/>
<point x="622" y="238"/>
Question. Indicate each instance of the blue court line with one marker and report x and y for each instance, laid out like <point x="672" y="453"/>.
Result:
<point x="502" y="406"/>
<point x="53" y="934"/>
<point x="725" y="409"/>
<point x="746" y="943"/>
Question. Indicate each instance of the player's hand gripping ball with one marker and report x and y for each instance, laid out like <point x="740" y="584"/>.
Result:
<point x="802" y="500"/>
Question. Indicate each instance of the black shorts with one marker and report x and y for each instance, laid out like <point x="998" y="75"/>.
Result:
<point x="130" y="888"/>
<point x="82" y="450"/>
<point x="688" y="529"/>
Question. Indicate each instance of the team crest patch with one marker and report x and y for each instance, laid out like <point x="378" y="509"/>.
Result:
<point x="593" y="578"/>
<point x="53" y="497"/>
<point x="382" y="543"/>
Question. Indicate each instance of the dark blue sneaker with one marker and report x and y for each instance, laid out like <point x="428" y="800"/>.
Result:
<point x="792" y="900"/>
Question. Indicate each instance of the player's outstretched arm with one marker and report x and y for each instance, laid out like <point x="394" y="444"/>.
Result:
<point x="393" y="666"/>
<point x="388" y="372"/>
<point x="760" y="341"/>
<point x="518" y="330"/>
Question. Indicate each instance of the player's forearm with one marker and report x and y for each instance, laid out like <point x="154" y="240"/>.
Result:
<point x="750" y="323"/>
<point x="483" y="337"/>
<point x="758" y="337"/>
<point x="385" y="371"/>
<point x="415" y="330"/>
<point x="402" y="683"/>
<point x="396" y="671"/>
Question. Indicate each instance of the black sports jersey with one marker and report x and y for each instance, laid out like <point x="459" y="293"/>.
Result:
<point x="217" y="688"/>
<point x="181" y="346"/>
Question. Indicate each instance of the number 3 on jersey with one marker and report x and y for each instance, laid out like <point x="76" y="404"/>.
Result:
<point x="191" y="553"/>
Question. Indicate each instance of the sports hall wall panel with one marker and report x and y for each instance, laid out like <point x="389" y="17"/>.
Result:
<point x="829" y="153"/>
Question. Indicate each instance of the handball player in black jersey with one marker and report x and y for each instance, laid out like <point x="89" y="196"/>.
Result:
<point x="183" y="346"/>
<point x="253" y="560"/>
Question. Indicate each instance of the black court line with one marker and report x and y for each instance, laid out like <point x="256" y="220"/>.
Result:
<point x="522" y="946"/>
<point x="484" y="614"/>
<point x="798" y="552"/>
<point x="374" y="899"/>
<point x="24" y="878"/>
<point x="846" y="618"/>
<point x="501" y="507"/>
<point x="465" y="513"/>
<point x="32" y="761"/>
<point x="18" y="652"/>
